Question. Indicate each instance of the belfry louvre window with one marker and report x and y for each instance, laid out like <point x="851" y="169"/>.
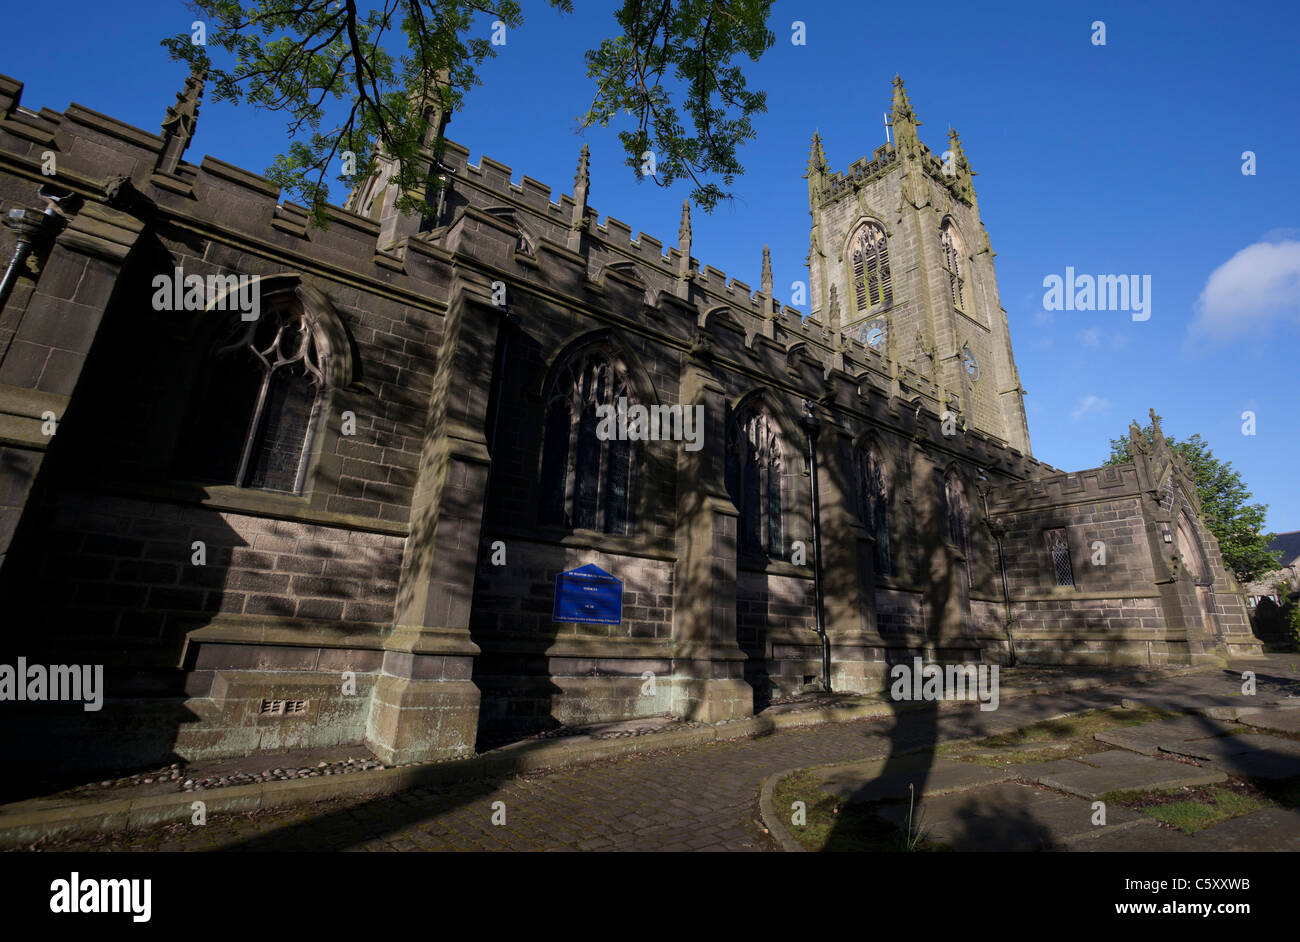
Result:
<point x="1059" y="547"/>
<point x="754" y="468"/>
<point x="587" y="483"/>
<point x="871" y="278"/>
<point x="950" y="251"/>
<point x="251" y="421"/>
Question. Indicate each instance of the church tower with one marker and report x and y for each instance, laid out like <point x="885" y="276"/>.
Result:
<point x="899" y="251"/>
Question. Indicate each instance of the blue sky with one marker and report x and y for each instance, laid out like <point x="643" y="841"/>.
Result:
<point x="1116" y="159"/>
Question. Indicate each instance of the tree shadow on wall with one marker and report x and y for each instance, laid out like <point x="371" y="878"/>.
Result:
<point x="915" y="733"/>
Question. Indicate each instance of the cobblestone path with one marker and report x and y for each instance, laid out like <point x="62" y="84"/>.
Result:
<point x="703" y="798"/>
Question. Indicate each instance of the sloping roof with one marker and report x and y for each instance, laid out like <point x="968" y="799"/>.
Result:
<point x="1288" y="544"/>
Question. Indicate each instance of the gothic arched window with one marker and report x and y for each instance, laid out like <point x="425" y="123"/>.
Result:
<point x="252" y="417"/>
<point x="873" y="498"/>
<point x="1058" y="546"/>
<point x="754" y="469"/>
<point x="950" y="250"/>
<point x="872" y="283"/>
<point x="958" y="517"/>
<point x="586" y="479"/>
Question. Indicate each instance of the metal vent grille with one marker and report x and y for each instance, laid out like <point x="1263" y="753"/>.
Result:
<point x="283" y="707"/>
<point x="1060" y="550"/>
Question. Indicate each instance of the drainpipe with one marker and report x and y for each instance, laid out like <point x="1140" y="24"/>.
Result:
<point x="27" y="225"/>
<point x="811" y="428"/>
<point x="1002" y="565"/>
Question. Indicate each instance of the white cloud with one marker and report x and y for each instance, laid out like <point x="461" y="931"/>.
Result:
<point x="1258" y="285"/>
<point x="1090" y="405"/>
<point x="1091" y="337"/>
<point x="1280" y="235"/>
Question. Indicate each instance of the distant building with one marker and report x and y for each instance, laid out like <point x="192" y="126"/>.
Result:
<point x="339" y="517"/>
<point x="1266" y="595"/>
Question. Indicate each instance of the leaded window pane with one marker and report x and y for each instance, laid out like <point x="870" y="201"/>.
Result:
<point x="618" y="480"/>
<point x="250" y="423"/>
<point x="873" y="491"/>
<point x="555" y="464"/>
<point x="754" y="470"/>
<point x="278" y="448"/>
<point x="587" y="472"/>
<point x="587" y="483"/>
<point x="1059" y="547"/>
<point x="751" y="522"/>
<point x="774" y="535"/>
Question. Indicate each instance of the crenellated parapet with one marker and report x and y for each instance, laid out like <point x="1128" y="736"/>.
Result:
<point x="1048" y="490"/>
<point x="836" y="186"/>
<point x="93" y="154"/>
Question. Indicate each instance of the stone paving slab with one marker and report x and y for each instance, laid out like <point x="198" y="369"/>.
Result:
<point x="1227" y="747"/>
<point x="1279" y="721"/>
<point x="1011" y="752"/>
<point x="1116" y="770"/>
<point x="1193" y="702"/>
<point x="1149" y="737"/>
<point x="1273" y="829"/>
<point x="877" y="778"/>
<point x="1272" y="766"/>
<point x="1143" y="837"/>
<point x="1007" y="816"/>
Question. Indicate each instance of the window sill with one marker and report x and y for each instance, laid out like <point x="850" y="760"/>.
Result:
<point x="611" y="543"/>
<point x="773" y="567"/>
<point x="274" y="504"/>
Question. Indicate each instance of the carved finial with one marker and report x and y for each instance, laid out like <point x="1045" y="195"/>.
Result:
<point x="958" y="154"/>
<point x="181" y="120"/>
<point x="816" y="156"/>
<point x="683" y="288"/>
<point x="833" y="315"/>
<point x="582" y="179"/>
<point x="902" y="104"/>
<point x="766" y="280"/>
<point x="903" y="118"/>
<point x="581" y="186"/>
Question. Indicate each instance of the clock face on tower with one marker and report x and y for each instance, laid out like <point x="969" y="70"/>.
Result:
<point x="970" y="364"/>
<point x="872" y="335"/>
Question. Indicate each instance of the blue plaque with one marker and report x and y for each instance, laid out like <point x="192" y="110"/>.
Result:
<point x="588" y="594"/>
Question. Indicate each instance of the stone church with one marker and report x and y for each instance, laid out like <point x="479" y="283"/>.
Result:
<point x="339" y="516"/>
